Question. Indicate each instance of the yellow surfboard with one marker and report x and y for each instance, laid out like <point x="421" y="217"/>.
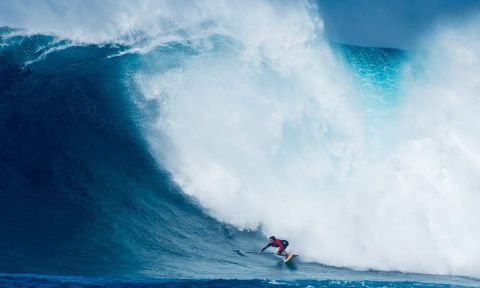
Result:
<point x="290" y="258"/>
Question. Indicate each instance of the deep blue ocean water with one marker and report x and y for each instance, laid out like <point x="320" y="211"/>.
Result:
<point x="82" y="196"/>
<point x="57" y="281"/>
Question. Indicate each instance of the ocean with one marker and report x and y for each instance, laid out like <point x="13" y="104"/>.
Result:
<point x="149" y="162"/>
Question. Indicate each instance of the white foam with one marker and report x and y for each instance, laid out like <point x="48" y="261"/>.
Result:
<point x="268" y="134"/>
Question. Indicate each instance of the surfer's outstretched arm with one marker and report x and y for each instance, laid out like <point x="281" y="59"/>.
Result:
<point x="266" y="246"/>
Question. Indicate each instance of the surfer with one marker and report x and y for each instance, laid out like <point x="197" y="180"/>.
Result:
<point x="281" y="244"/>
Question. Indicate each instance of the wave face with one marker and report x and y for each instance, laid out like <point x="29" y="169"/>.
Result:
<point x="136" y="150"/>
<point x="80" y="193"/>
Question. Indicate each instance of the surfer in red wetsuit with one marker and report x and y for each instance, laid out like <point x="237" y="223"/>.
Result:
<point x="281" y="244"/>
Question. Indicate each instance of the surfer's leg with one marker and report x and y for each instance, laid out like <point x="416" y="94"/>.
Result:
<point x="285" y="245"/>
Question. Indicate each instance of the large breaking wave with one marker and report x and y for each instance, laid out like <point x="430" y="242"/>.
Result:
<point x="361" y="157"/>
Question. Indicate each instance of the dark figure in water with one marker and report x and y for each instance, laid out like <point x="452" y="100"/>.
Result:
<point x="281" y="244"/>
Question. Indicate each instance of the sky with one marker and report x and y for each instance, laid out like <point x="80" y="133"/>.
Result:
<point x="390" y="23"/>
